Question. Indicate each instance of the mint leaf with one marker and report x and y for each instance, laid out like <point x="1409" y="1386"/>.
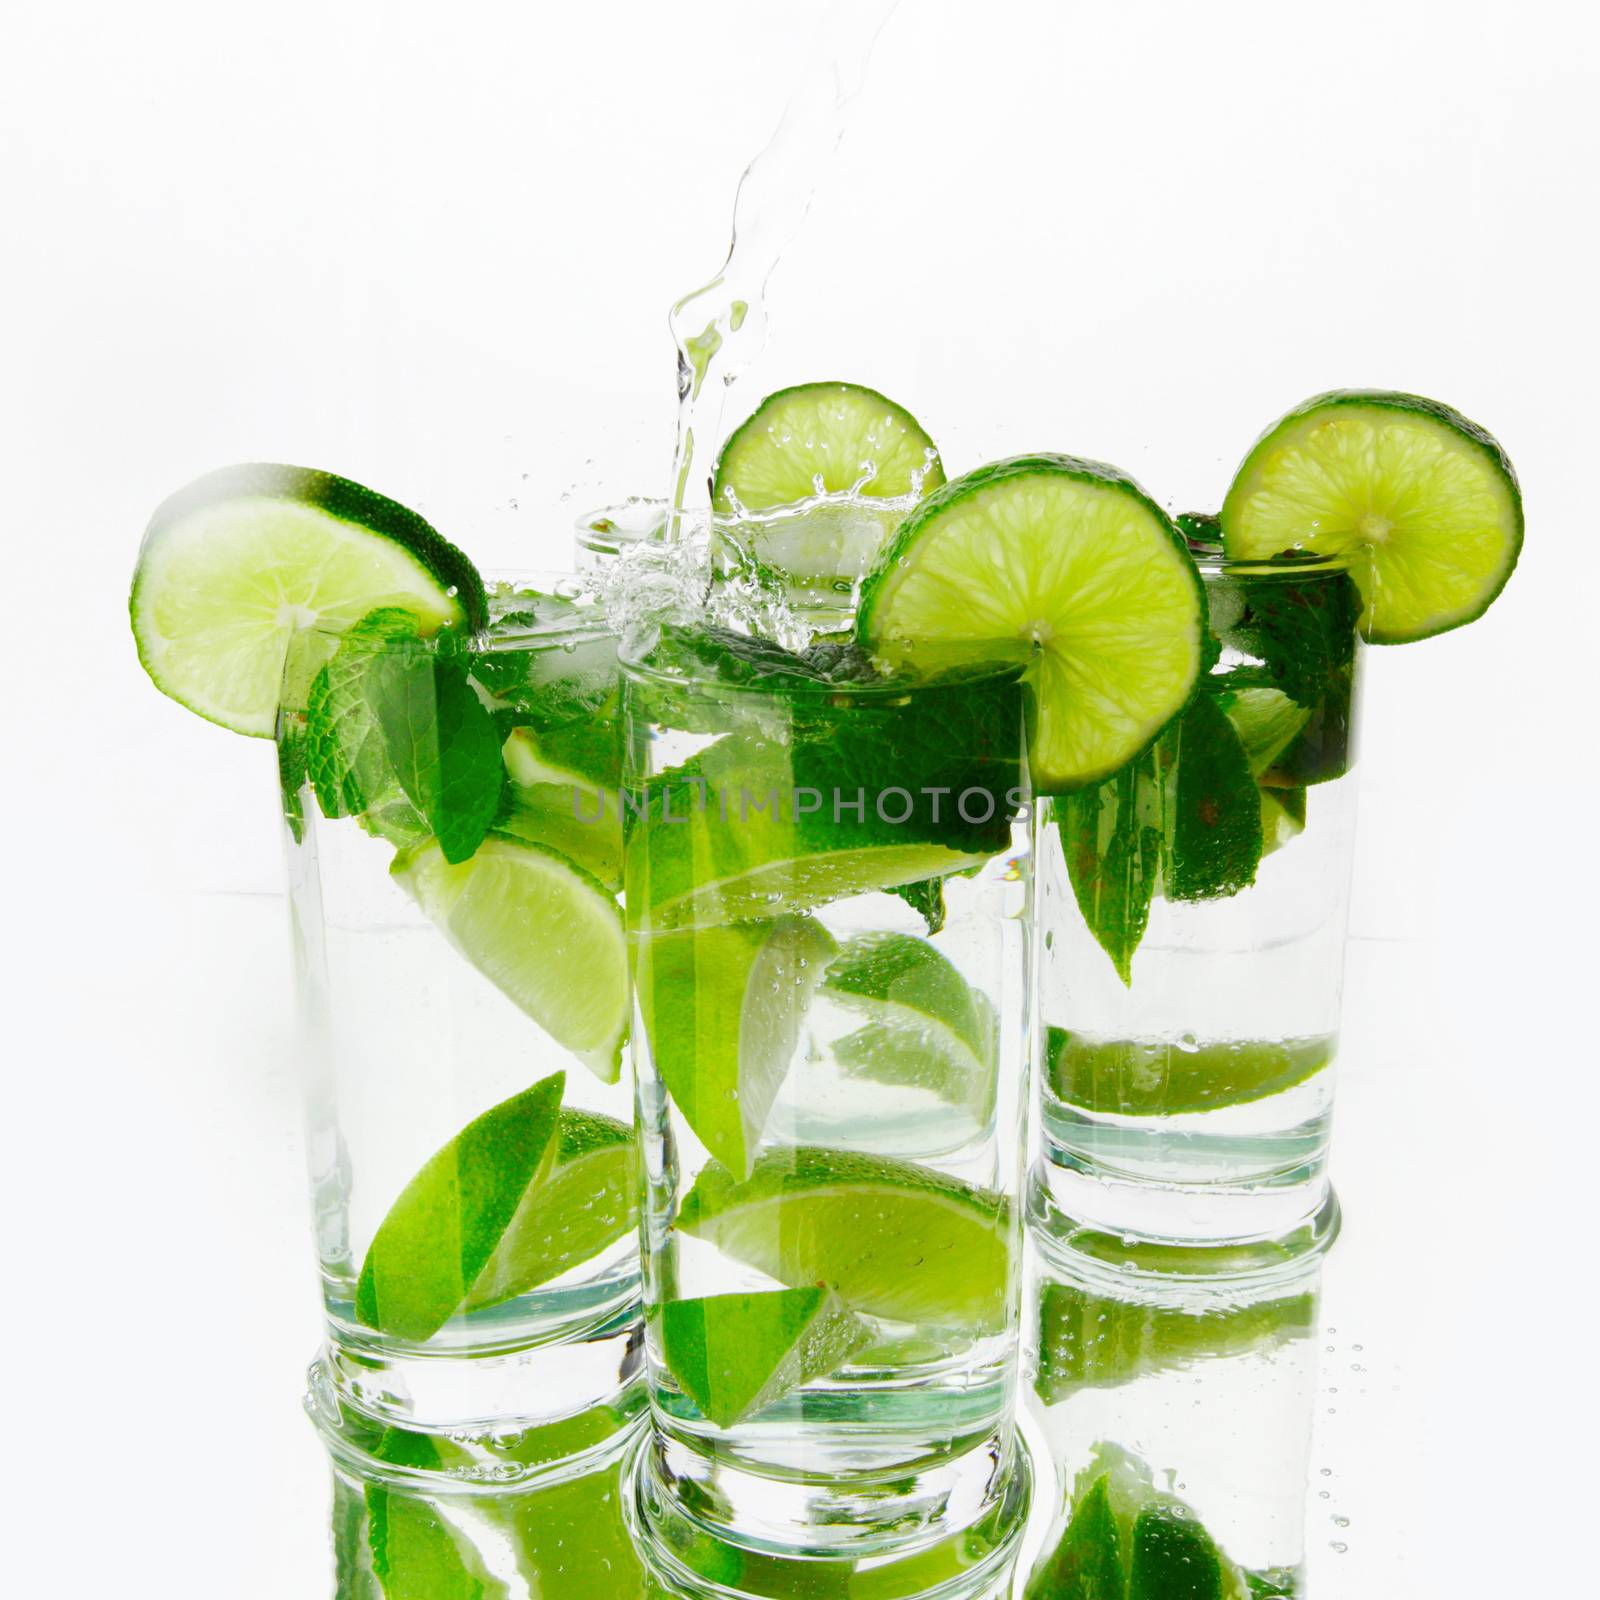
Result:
<point x="926" y="899"/>
<point x="345" y="757"/>
<point x="1112" y="839"/>
<point x="1213" y="829"/>
<point x="442" y="744"/>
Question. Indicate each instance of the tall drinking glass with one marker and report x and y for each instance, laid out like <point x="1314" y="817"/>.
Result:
<point x="463" y="983"/>
<point x="828" y="890"/>
<point x="1192" y="912"/>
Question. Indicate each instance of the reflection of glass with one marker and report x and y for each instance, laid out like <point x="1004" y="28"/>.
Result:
<point x="402" y="1530"/>
<point x="463" y="980"/>
<point x="831" y="1043"/>
<point x="1174" y="1388"/>
<point x="1192" y="914"/>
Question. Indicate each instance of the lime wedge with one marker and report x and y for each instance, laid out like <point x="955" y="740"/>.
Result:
<point x="238" y="561"/>
<point x="723" y="1009"/>
<point x="1267" y="722"/>
<point x="449" y="1221"/>
<point x="824" y="438"/>
<point x="891" y="1238"/>
<point x="581" y="824"/>
<point x="587" y="1200"/>
<point x="539" y="928"/>
<point x="1422" y="503"/>
<point x="735" y="1354"/>
<point x="923" y="1025"/>
<point x="583" y="755"/>
<point x="1159" y="1077"/>
<point x="1283" y="817"/>
<point x="518" y="1197"/>
<point x="1092" y="1341"/>
<point x="1075" y="558"/>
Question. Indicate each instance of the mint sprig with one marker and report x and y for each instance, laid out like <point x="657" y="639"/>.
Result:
<point x="441" y="743"/>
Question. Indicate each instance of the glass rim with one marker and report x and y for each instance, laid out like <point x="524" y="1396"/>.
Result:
<point x="550" y="582"/>
<point x="960" y="666"/>
<point x="1211" y="559"/>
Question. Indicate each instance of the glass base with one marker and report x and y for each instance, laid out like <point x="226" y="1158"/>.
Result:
<point x="950" y="1531"/>
<point x="1076" y="1216"/>
<point x="503" y="1408"/>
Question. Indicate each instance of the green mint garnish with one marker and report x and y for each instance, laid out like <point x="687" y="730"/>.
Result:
<point x="926" y="899"/>
<point x="346" y="760"/>
<point x="1111" y="836"/>
<point x="442" y="744"/>
<point x="1213" y="833"/>
<point x="1184" y="818"/>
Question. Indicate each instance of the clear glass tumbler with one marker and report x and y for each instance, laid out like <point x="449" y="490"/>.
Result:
<point x="1192" y="917"/>
<point x="462" y="973"/>
<point x="828" y="891"/>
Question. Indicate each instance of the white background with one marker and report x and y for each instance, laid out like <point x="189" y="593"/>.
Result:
<point x="432" y="247"/>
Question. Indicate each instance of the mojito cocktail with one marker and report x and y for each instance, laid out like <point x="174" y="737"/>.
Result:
<point x="828" y="889"/>
<point x="1193" y="902"/>
<point x="461" y="962"/>
<point x="458" y="937"/>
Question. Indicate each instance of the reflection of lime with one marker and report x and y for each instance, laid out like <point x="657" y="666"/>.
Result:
<point x="893" y="1239"/>
<point x="541" y="930"/>
<point x="923" y="1025"/>
<point x="723" y="1009"/>
<point x="1126" y="1539"/>
<point x="518" y="1197"/>
<point x="735" y="1354"/>
<point x="1160" y="1077"/>
<point x="241" y="559"/>
<point x="1422" y="503"/>
<point x="1092" y="1341"/>
<point x="1073" y="557"/>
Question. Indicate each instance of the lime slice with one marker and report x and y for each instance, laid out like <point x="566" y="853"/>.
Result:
<point x="892" y="1239"/>
<point x="735" y="1354"/>
<point x="923" y="1025"/>
<point x="1160" y="1078"/>
<point x="1074" y="557"/>
<point x="723" y="1009"/>
<point x="823" y="439"/>
<point x="1092" y="1341"/>
<point x="238" y="561"/>
<point x="449" y="1221"/>
<point x="1422" y="503"/>
<point x="539" y="928"/>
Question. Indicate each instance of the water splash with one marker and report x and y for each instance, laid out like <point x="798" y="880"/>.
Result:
<point x="721" y="326"/>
